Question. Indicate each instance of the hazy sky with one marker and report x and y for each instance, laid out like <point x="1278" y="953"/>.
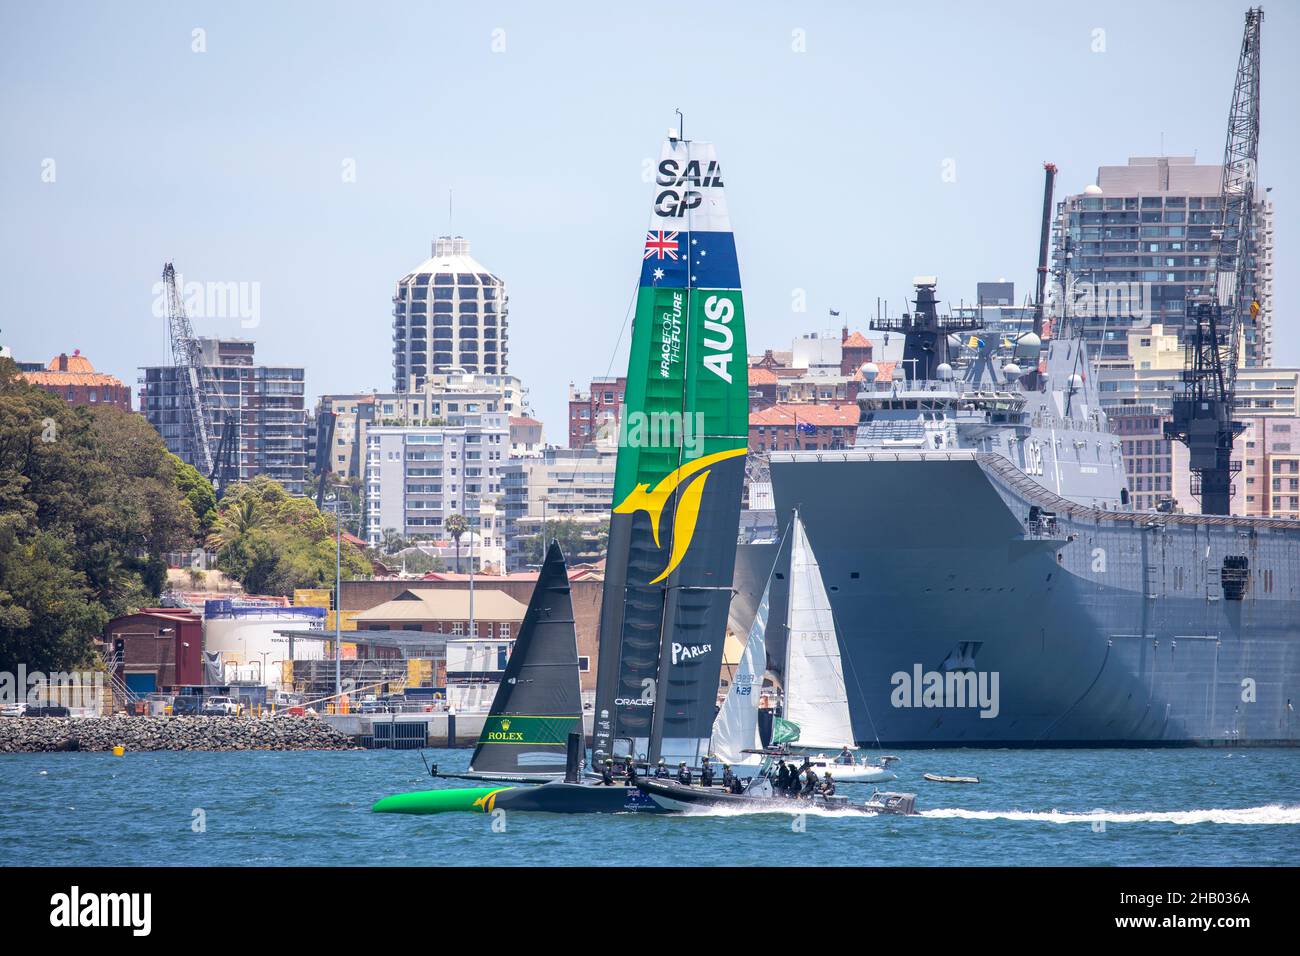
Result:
<point x="234" y="161"/>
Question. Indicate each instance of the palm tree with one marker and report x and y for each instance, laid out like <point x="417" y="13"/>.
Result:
<point x="234" y="523"/>
<point x="456" y="525"/>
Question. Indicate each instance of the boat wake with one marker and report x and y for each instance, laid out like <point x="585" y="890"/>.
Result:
<point x="1271" y="815"/>
<point x="1275" y="814"/>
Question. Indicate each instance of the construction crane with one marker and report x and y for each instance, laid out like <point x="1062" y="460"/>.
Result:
<point x="186" y="358"/>
<point x="1049" y="182"/>
<point x="1203" y="409"/>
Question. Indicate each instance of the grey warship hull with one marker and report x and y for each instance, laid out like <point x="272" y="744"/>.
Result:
<point x="977" y="608"/>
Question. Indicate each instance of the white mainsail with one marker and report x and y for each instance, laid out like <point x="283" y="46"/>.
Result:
<point x="735" y="729"/>
<point x="815" y="698"/>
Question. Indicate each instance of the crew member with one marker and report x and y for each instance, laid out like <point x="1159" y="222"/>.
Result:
<point x="736" y="786"/>
<point x="846" y="755"/>
<point x="630" y="770"/>
<point x="782" y="777"/>
<point x="810" y="784"/>
<point x="607" y="772"/>
<point x="683" y="773"/>
<point x="727" y="775"/>
<point x="706" y="773"/>
<point x="661" y="769"/>
<point x="828" y="785"/>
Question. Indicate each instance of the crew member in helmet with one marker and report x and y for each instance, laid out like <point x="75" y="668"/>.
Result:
<point x="828" y="785"/>
<point x="683" y="773"/>
<point x="727" y="775"/>
<point x="706" y="773"/>
<point x="607" y="773"/>
<point x="661" y="770"/>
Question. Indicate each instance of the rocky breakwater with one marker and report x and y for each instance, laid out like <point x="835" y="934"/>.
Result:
<point x="49" y="734"/>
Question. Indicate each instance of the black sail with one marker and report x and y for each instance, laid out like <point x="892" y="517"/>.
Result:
<point x="539" y="701"/>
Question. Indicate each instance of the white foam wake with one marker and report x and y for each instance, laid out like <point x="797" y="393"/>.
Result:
<point x="1271" y="815"/>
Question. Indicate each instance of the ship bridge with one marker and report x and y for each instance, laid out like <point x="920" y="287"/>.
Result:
<point x="937" y="413"/>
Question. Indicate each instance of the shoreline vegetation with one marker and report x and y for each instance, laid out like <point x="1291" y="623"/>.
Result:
<point x="101" y="735"/>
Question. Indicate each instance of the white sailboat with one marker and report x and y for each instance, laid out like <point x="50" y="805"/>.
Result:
<point x="735" y="729"/>
<point x="815" y="695"/>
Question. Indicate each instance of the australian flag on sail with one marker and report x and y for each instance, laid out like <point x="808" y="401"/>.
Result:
<point x="708" y="259"/>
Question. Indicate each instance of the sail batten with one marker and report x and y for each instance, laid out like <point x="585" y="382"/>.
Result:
<point x="677" y="485"/>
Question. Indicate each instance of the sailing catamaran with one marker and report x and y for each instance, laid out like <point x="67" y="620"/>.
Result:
<point x="677" y="490"/>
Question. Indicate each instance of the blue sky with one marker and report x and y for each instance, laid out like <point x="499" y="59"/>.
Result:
<point x="230" y="161"/>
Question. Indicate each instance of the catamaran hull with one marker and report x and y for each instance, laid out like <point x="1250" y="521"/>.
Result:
<point x="545" y="798"/>
<point x="1107" y="629"/>
<point x="678" y="798"/>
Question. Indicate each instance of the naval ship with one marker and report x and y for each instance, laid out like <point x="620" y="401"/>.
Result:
<point x="991" y="584"/>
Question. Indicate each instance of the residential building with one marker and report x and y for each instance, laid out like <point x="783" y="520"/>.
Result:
<point x="448" y="312"/>
<point x="444" y="396"/>
<point x="265" y="403"/>
<point x="1151" y="373"/>
<point x="594" y="413"/>
<point x="74" y="379"/>
<point x="419" y="475"/>
<point x="559" y="484"/>
<point x="789" y="427"/>
<point x="1142" y="247"/>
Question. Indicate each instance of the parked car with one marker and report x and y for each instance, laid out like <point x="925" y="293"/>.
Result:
<point x="220" y="707"/>
<point x="186" y="705"/>
<point x="13" y="710"/>
<point x="46" y="710"/>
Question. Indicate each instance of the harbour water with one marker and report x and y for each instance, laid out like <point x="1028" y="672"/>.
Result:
<point x="1063" y="807"/>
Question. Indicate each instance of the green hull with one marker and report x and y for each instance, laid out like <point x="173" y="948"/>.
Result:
<point x="459" y="799"/>
<point x="546" y="798"/>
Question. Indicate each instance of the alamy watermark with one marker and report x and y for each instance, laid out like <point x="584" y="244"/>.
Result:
<point x="956" y="688"/>
<point x="214" y="300"/>
<point x="76" y="690"/>
<point x="684" y="430"/>
<point x="1110" y="300"/>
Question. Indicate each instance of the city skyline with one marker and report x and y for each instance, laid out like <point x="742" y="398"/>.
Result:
<point x="316" y="164"/>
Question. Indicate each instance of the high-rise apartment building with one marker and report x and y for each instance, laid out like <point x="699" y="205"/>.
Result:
<point x="448" y="312"/>
<point x="419" y="475"/>
<point x="1141" y="246"/>
<point x="265" y="402"/>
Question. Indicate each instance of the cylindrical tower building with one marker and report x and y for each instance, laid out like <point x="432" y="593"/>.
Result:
<point x="448" y="312"/>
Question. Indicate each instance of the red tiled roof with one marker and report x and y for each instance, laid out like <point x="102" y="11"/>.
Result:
<point x="523" y="420"/>
<point x="761" y="376"/>
<point x="856" y="341"/>
<point x="74" y="369"/>
<point x="844" y="414"/>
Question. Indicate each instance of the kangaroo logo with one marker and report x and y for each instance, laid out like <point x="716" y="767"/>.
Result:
<point x="487" y="802"/>
<point x="641" y="498"/>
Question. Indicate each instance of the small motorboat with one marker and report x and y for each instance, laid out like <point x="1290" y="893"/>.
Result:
<point x="940" y="778"/>
<point x="853" y="769"/>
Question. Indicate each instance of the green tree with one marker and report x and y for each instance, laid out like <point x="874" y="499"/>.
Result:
<point x="456" y="525"/>
<point x="198" y="493"/>
<point x="578" y="541"/>
<point x="273" y="543"/>
<point x="89" y="501"/>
